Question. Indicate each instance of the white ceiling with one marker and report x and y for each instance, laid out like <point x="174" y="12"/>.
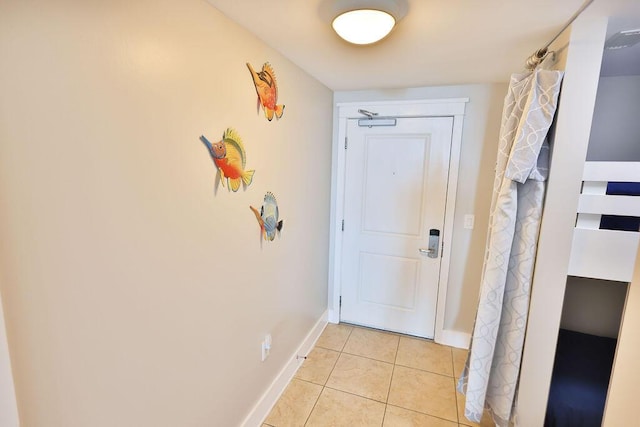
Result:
<point x="439" y="42"/>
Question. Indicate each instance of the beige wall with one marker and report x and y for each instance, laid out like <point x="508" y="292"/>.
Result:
<point x="477" y="164"/>
<point x="134" y="295"/>
<point x="593" y="306"/>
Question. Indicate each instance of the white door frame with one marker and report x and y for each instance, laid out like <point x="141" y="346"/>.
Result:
<point x="422" y="108"/>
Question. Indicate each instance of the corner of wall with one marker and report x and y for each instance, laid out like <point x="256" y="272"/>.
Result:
<point x="261" y="409"/>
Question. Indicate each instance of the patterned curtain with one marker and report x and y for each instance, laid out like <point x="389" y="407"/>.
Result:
<point x="490" y="377"/>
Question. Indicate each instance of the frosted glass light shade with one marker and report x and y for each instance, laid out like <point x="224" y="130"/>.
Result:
<point x="363" y="26"/>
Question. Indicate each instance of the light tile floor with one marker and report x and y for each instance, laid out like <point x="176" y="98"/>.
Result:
<point x="361" y="377"/>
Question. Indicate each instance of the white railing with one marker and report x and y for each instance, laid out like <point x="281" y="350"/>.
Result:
<point x="598" y="253"/>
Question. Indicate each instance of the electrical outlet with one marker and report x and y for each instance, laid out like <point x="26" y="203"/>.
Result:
<point x="266" y="347"/>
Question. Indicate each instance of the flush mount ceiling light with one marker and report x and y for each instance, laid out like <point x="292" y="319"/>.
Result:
<point x="365" y="21"/>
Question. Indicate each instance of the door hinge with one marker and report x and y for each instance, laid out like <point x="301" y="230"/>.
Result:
<point x="340" y="302"/>
<point x="345" y="142"/>
<point x="343" y="225"/>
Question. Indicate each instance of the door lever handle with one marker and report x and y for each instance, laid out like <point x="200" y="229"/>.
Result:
<point x="427" y="251"/>
<point x="434" y="241"/>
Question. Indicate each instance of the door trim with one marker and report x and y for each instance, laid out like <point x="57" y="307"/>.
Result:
<point x="420" y="108"/>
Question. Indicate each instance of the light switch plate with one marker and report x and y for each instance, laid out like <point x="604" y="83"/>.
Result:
<point x="469" y="221"/>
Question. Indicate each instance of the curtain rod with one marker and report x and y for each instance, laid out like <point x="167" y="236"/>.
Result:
<point x="539" y="55"/>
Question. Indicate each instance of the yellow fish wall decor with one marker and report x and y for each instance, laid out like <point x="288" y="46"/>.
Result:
<point x="267" y="90"/>
<point x="230" y="158"/>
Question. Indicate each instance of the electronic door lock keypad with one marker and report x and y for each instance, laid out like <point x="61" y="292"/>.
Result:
<point x="434" y="242"/>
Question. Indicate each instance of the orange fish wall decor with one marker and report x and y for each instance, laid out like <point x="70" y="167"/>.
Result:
<point x="267" y="90"/>
<point x="230" y="158"/>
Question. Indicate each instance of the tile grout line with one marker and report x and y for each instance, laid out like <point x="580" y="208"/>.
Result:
<point x="356" y="395"/>
<point x="342" y="351"/>
<point x="393" y="370"/>
<point x="329" y="376"/>
<point x="393" y="363"/>
<point x="345" y="341"/>
<point x="314" y="406"/>
<point x="426" y="414"/>
<point x="455" y="390"/>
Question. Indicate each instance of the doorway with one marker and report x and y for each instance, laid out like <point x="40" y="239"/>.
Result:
<point x="392" y="213"/>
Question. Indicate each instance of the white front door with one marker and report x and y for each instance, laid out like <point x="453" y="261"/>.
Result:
<point x="395" y="196"/>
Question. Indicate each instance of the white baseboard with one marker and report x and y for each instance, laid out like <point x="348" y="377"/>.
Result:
<point x="455" y="338"/>
<point x="334" y="316"/>
<point x="8" y="404"/>
<point x="271" y="396"/>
